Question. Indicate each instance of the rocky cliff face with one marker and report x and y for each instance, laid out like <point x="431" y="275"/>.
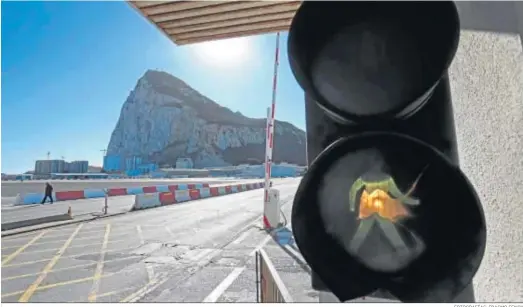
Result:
<point x="164" y="119"/>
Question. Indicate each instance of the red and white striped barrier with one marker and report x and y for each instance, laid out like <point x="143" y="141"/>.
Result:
<point x="151" y="200"/>
<point x="36" y="198"/>
<point x="269" y="140"/>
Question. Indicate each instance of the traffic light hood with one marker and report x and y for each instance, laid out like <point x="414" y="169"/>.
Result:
<point x="387" y="211"/>
<point x="367" y="60"/>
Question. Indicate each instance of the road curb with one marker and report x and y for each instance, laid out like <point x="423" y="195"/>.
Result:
<point x="36" y="221"/>
<point x="18" y="231"/>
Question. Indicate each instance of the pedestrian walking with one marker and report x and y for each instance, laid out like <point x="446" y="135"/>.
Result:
<point x="48" y="193"/>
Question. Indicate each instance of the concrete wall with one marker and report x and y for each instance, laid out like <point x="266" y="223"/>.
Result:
<point x="487" y="88"/>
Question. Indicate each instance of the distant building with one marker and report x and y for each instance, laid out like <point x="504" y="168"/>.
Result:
<point x="113" y="163"/>
<point x="78" y="167"/>
<point x="45" y="167"/>
<point x="132" y="163"/>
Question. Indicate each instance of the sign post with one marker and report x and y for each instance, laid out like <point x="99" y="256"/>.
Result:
<point x="269" y="138"/>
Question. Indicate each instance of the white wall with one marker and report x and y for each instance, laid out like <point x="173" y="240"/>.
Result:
<point x="487" y="87"/>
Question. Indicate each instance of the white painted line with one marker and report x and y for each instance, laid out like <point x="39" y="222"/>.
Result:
<point x="169" y="231"/>
<point x="261" y="245"/>
<point x="241" y="238"/>
<point x="227" y="282"/>
<point x="148" y="266"/>
<point x="223" y="286"/>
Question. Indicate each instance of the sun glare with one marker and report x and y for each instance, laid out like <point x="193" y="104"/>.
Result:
<point x="224" y="52"/>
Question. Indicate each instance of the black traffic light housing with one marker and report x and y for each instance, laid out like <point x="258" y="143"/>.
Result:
<point x="378" y="104"/>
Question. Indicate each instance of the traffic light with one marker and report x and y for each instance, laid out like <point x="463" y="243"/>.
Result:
<point x="383" y="204"/>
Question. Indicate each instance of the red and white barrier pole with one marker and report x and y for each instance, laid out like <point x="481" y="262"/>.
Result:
<point x="269" y="141"/>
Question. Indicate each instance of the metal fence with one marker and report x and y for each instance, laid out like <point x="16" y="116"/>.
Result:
<point x="269" y="286"/>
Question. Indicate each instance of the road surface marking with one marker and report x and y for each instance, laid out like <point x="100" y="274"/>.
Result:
<point x="241" y="238"/>
<point x="148" y="266"/>
<point x="60" y="284"/>
<point x="69" y="282"/>
<point x="223" y="286"/>
<point x="115" y="292"/>
<point x="54" y="249"/>
<point x="99" y="266"/>
<point x="87" y="238"/>
<point x="22" y="248"/>
<point x="76" y="240"/>
<point x="73" y="247"/>
<point x="22" y="236"/>
<point x="32" y="288"/>
<point x="69" y="268"/>
<point x="227" y="282"/>
<point x="169" y="231"/>
<point x="260" y="246"/>
<point x="151" y="286"/>
<point x="106" y="294"/>
<point x="70" y="256"/>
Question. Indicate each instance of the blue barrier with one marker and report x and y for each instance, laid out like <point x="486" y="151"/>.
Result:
<point x="162" y="188"/>
<point x="135" y="191"/>
<point x="234" y="189"/>
<point x="32" y="198"/>
<point x="182" y="186"/>
<point x="94" y="193"/>
<point x="222" y="191"/>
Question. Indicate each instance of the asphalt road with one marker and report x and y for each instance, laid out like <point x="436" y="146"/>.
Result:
<point x="197" y="250"/>
<point x="11" y="188"/>
<point x="192" y="252"/>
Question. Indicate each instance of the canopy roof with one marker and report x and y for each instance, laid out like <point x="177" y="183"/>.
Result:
<point x="189" y="22"/>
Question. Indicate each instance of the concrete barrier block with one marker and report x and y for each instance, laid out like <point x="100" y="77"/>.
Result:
<point x="222" y="190"/>
<point x="144" y="201"/>
<point x="167" y="198"/>
<point x="194" y="194"/>
<point x="234" y="189"/>
<point x="214" y="191"/>
<point x="94" y="193"/>
<point x="18" y="200"/>
<point x="182" y="195"/>
<point x="205" y="192"/>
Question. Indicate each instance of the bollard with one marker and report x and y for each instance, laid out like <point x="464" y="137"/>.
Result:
<point x="105" y="202"/>
<point x="70" y="212"/>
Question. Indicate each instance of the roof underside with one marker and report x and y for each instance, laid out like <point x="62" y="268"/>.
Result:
<point x="189" y="22"/>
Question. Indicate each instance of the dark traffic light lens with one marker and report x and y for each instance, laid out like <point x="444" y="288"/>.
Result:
<point x="365" y="60"/>
<point x="390" y="212"/>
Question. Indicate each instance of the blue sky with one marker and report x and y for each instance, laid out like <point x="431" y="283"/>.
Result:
<point x="67" y="68"/>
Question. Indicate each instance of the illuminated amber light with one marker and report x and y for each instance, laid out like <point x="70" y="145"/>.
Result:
<point x="379" y="202"/>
